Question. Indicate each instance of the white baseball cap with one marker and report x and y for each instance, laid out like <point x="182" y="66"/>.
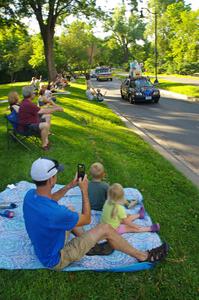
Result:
<point x="44" y="168"/>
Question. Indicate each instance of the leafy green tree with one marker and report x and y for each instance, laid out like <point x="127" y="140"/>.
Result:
<point x="109" y="53"/>
<point x="176" y="24"/>
<point x="48" y="13"/>
<point x="77" y="47"/>
<point x="37" y="58"/>
<point x="15" y="49"/>
<point x="7" y="16"/>
<point x="126" y="31"/>
<point x="184" y="47"/>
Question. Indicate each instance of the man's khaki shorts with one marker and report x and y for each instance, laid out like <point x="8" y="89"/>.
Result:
<point x="75" y="249"/>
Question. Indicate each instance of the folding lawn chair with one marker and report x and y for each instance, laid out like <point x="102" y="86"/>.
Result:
<point x="18" y="136"/>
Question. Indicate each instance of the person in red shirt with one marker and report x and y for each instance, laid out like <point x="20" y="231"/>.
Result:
<point x="31" y="117"/>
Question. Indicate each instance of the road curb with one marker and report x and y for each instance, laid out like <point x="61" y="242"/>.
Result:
<point x="180" y="165"/>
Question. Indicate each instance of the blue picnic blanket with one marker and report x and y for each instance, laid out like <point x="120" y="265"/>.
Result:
<point x="16" y="250"/>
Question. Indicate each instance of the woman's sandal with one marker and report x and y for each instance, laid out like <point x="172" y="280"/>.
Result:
<point x="157" y="254"/>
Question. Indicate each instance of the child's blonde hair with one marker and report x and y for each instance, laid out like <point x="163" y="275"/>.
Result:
<point x="13" y="98"/>
<point x="115" y="196"/>
<point x="97" y="170"/>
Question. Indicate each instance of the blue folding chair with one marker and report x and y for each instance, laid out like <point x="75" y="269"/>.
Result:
<point x="21" y="137"/>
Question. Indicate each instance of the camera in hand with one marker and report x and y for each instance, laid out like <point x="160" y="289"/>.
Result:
<point x="81" y="171"/>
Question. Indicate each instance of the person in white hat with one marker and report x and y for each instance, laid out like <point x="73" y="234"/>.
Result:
<point x="47" y="222"/>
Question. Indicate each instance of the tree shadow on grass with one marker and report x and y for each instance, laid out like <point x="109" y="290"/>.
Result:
<point x="86" y="112"/>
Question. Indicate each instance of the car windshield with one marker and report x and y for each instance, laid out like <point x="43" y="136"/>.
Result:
<point x="141" y="83"/>
<point x="103" y="70"/>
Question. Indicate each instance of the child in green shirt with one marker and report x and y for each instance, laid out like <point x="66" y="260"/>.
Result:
<point x="114" y="213"/>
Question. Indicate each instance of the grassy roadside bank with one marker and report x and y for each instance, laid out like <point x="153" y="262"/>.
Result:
<point x="88" y="132"/>
<point x="181" y="88"/>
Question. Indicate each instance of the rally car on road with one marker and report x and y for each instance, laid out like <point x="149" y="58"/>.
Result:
<point x="139" y="90"/>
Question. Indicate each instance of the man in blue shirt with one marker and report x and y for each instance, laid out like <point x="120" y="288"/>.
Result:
<point x="47" y="222"/>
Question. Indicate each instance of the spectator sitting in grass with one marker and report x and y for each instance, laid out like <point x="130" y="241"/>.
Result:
<point x="49" y="93"/>
<point x="35" y="83"/>
<point x="98" y="189"/>
<point x="48" y="223"/>
<point x="13" y="100"/>
<point x="44" y="100"/>
<point x="115" y="215"/>
<point x="99" y="96"/>
<point x="90" y="94"/>
<point x="30" y="119"/>
<point x="88" y="81"/>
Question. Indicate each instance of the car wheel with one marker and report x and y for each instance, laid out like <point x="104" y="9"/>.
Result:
<point x="122" y="96"/>
<point x="131" y="99"/>
<point x="156" y="100"/>
<point x="111" y="79"/>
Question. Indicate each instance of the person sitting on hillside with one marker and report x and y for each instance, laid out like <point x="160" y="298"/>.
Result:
<point x="49" y="94"/>
<point x="88" y="81"/>
<point x="34" y="85"/>
<point x="52" y="87"/>
<point x="99" y="96"/>
<point x="44" y="100"/>
<point x="30" y="117"/>
<point x="13" y="100"/>
<point x="90" y="94"/>
<point x="38" y="82"/>
<point x="48" y="223"/>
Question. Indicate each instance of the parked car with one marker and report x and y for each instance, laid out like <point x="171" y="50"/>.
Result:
<point x="92" y="74"/>
<point x="139" y="90"/>
<point x="103" y="73"/>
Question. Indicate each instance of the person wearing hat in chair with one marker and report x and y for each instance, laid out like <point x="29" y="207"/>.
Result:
<point x="47" y="223"/>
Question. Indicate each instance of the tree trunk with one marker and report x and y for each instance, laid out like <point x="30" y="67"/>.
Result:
<point x="48" y="39"/>
<point x="126" y="53"/>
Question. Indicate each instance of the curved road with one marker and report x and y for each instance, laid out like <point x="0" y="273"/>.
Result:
<point x="172" y="124"/>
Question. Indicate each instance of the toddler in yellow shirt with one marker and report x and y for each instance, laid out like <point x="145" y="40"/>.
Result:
<point x="114" y="213"/>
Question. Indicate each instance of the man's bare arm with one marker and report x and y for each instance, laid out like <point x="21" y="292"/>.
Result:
<point x="50" y="110"/>
<point x="59" y="194"/>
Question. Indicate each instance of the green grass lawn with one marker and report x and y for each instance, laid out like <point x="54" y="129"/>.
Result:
<point x="181" y="88"/>
<point x="88" y="132"/>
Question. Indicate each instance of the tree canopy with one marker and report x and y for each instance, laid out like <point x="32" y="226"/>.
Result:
<point x="78" y="48"/>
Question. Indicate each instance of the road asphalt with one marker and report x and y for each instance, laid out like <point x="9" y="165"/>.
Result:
<point x="172" y="125"/>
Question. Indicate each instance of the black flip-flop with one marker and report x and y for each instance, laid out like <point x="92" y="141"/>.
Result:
<point x="158" y="254"/>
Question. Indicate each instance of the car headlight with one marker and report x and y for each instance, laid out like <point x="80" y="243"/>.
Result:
<point x="156" y="93"/>
<point x="138" y="94"/>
